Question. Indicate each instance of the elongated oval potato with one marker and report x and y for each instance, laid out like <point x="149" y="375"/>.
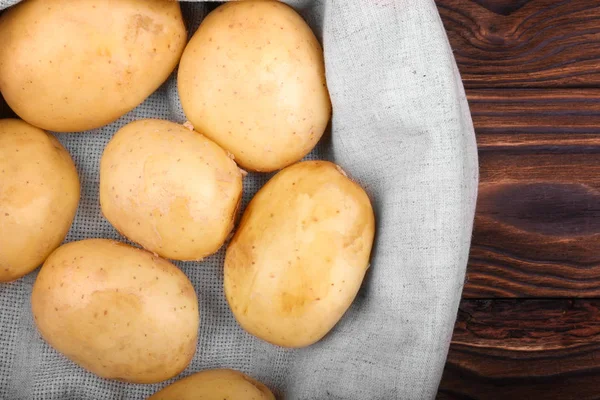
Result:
<point x="73" y="65"/>
<point x="171" y="190"/>
<point x="117" y="311"/>
<point x="252" y="79"/>
<point x="216" y="384"/>
<point x="300" y="254"/>
<point x="39" y="194"/>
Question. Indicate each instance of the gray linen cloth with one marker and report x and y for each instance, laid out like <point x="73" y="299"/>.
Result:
<point x="401" y="127"/>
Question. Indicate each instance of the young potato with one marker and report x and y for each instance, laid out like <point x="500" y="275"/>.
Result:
<point x="70" y="65"/>
<point x="300" y="254"/>
<point x="117" y="311"/>
<point x="171" y="190"/>
<point x="216" y="384"/>
<point x="39" y="194"/>
<point x="252" y="79"/>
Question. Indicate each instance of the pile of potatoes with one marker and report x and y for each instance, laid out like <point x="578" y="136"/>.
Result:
<point x="252" y="85"/>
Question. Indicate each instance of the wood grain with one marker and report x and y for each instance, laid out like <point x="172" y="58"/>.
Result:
<point x="537" y="226"/>
<point x="515" y="349"/>
<point x="532" y="73"/>
<point x="521" y="43"/>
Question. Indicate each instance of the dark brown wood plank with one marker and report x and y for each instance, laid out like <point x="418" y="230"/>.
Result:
<point x="525" y="43"/>
<point x="511" y="114"/>
<point x="537" y="226"/>
<point x="524" y="349"/>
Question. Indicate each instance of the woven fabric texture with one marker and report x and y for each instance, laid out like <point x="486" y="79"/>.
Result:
<point x="402" y="129"/>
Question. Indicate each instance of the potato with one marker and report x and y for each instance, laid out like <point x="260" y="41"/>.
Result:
<point x="300" y="254"/>
<point x="117" y="311"/>
<point x="39" y="194"/>
<point x="170" y="189"/>
<point x="216" y="384"/>
<point x="70" y="65"/>
<point x="252" y="79"/>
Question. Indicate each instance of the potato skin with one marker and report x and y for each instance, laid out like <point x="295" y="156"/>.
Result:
<point x="252" y="79"/>
<point x="73" y="65"/>
<point x="216" y="384"/>
<point x="39" y="194"/>
<point x="117" y="311"/>
<point x="300" y="254"/>
<point x="171" y="190"/>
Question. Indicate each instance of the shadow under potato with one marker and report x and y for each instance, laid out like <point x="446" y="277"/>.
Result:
<point x="5" y="111"/>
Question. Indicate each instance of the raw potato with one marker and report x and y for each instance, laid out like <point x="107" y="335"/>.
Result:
<point x="117" y="311"/>
<point x="216" y="384"/>
<point x="300" y="254"/>
<point x="252" y="79"/>
<point x="39" y="194"/>
<point x="171" y="190"/>
<point x="73" y="65"/>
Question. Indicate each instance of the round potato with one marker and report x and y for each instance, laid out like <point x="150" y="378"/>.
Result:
<point x="69" y="65"/>
<point x="117" y="311"/>
<point x="216" y="384"/>
<point x="39" y="194"/>
<point x="170" y="189"/>
<point x="300" y="254"/>
<point x="252" y="79"/>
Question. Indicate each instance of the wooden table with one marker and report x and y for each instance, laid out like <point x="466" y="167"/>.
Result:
<point x="529" y="322"/>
